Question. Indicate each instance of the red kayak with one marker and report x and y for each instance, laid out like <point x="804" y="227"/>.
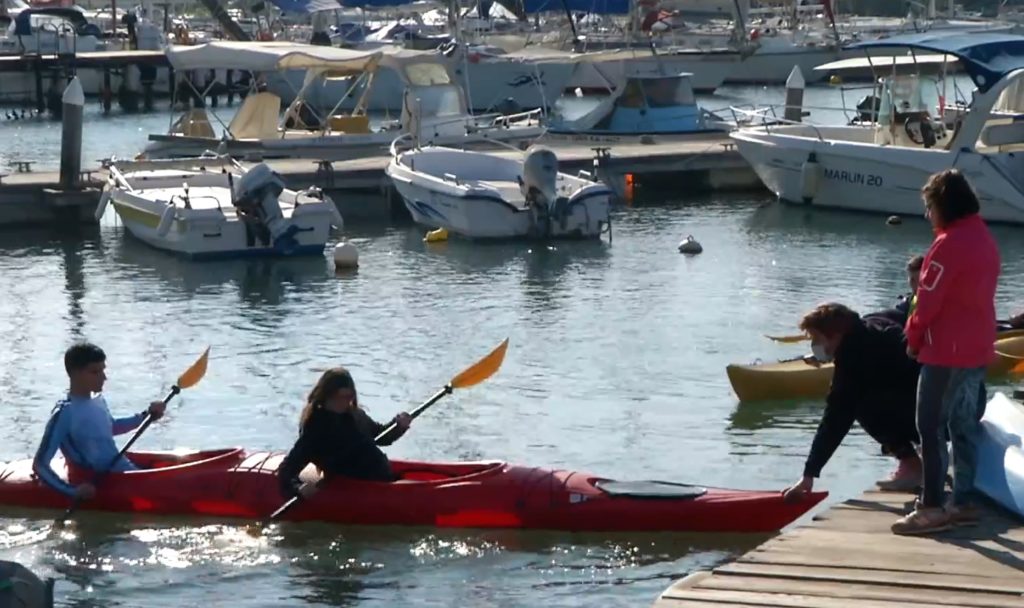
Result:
<point x="231" y="483"/>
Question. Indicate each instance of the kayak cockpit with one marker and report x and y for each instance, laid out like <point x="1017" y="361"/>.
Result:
<point x="167" y="463"/>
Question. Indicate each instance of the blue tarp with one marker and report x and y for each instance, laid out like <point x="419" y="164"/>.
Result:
<point x="601" y="7"/>
<point x="986" y="57"/>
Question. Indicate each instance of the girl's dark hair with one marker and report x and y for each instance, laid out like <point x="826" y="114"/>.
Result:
<point x="81" y="355"/>
<point x="948" y="194"/>
<point x="330" y="382"/>
<point x="830" y="319"/>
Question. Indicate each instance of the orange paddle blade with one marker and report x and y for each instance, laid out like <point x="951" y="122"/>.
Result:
<point x="194" y="374"/>
<point x="482" y="369"/>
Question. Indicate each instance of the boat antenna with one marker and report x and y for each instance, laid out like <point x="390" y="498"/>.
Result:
<point x="572" y="25"/>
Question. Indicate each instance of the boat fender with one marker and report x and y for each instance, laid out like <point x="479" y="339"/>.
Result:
<point x="101" y="207"/>
<point x="810" y="178"/>
<point x="690" y="246"/>
<point x="436" y="236"/>
<point x="21" y="588"/>
<point x="166" y="220"/>
<point x="345" y="255"/>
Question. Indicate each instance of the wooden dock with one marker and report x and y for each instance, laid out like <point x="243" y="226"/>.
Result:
<point x="90" y="59"/>
<point x="664" y="169"/>
<point x="362" y="190"/>
<point x="847" y="558"/>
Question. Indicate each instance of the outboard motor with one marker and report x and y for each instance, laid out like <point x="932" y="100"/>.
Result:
<point x="539" y="185"/>
<point x="256" y="197"/>
<point x="868" y="108"/>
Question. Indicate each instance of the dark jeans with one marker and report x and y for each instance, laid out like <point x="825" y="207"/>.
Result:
<point x="950" y="404"/>
<point x="889" y="418"/>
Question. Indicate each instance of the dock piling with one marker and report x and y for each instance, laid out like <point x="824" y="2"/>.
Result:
<point x="795" y="95"/>
<point x="71" y="135"/>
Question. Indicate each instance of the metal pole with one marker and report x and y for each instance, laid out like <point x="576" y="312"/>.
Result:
<point x="73" y="103"/>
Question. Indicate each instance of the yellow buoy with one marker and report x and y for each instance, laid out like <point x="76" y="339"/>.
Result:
<point x="835" y="80"/>
<point x="436" y="236"/>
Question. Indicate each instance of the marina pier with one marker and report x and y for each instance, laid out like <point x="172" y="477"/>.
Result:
<point x="846" y="557"/>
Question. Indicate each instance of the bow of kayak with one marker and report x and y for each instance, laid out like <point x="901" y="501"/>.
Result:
<point x="488" y="494"/>
<point x="798" y="380"/>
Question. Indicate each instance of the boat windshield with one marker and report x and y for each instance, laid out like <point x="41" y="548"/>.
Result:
<point x="426" y="74"/>
<point x="664" y="92"/>
<point x="903" y="95"/>
<point x="439" y="101"/>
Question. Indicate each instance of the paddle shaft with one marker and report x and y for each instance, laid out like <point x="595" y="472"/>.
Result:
<point x="101" y="474"/>
<point x="294" y="500"/>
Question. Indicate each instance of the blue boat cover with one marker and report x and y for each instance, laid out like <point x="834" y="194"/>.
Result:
<point x="601" y="7"/>
<point x="986" y="57"/>
<point x="1000" y="472"/>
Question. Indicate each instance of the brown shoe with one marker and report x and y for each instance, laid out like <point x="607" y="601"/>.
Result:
<point x="963" y="515"/>
<point x="923" y="521"/>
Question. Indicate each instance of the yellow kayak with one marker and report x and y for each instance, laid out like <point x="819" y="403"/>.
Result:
<point x="797" y="379"/>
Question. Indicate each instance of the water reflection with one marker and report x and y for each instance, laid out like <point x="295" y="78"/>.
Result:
<point x="259" y="281"/>
<point x="768" y="414"/>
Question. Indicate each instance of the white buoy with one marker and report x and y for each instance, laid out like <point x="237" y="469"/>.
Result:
<point x="690" y="246"/>
<point x="346" y="255"/>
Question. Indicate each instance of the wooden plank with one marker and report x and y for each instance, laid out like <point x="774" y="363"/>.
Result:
<point x="674" y="603"/>
<point x="691" y="580"/>
<point x="856" y="591"/>
<point x="939" y="561"/>
<point x="863" y="520"/>
<point x="881" y="577"/>
<point x="967" y="551"/>
<point x="781" y="600"/>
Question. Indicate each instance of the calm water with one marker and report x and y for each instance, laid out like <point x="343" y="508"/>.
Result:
<point x="616" y="366"/>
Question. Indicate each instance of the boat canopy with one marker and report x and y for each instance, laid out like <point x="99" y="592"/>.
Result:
<point x="270" y="57"/>
<point x="900" y="63"/>
<point x="986" y="57"/>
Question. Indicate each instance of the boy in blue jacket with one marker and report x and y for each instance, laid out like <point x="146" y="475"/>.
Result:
<point x="81" y="426"/>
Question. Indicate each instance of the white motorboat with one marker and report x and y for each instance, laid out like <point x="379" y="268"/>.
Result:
<point x="486" y="196"/>
<point x="434" y="108"/>
<point x="214" y="208"/>
<point x="880" y="162"/>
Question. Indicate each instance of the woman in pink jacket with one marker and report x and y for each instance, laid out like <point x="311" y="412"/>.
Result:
<point x="951" y="333"/>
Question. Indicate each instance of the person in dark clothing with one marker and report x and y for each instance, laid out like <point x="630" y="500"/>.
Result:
<point x="338" y="437"/>
<point x="874" y="383"/>
<point x="904" y="304"/>
<point x="129" y="20"/>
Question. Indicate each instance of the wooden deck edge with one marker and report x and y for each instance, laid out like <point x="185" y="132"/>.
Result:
<point x="687" y="582"/>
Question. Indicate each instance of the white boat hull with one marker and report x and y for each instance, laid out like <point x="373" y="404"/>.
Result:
<point x="867" y="177"/>
<point x="150" y="204"/>
<point x="465" y="209"/>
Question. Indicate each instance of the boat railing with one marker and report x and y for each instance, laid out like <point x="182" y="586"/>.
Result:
<point x="506" y="120"/>
<point x="209" y="160"/>
<point x="767" y="117"/>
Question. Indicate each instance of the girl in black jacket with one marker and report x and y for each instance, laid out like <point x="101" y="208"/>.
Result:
<point x="338" y="436"/>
